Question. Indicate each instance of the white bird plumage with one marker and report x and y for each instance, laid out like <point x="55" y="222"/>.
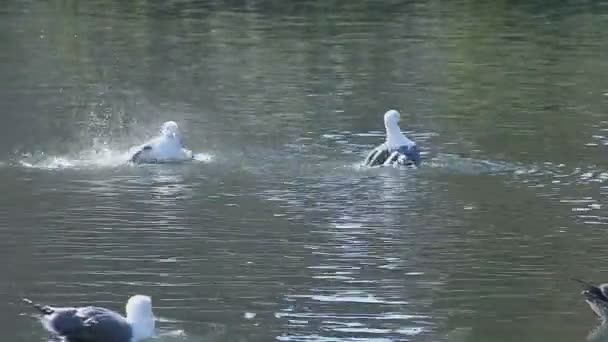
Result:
<point x="394" y="137"/>
<point x="96" y="324"/>
<point x="168" y="147"/>
<point x="397" y="149"/>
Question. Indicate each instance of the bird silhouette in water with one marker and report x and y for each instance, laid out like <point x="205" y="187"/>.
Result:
<point x="96" y="324"/>
<point x="597" y="298"/>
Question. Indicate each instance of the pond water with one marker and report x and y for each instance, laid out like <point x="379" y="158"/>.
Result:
<point x="275" y="231"/>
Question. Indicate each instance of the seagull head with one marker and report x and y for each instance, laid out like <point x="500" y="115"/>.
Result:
<point x="140" y="316"/>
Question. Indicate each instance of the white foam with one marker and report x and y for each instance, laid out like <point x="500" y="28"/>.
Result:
<point x="350" y="297"/>
<point x="202" y="157"/>
<point x="88" y="159"/>
<point x="319" y="338"/>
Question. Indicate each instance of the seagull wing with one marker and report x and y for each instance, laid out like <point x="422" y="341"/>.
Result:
<point x="600" y="292"/>
<point x="377" y="156"/>
<point x="604" y="290"/>
<point x="91" y="324"/>
<point x="139" y="154"/>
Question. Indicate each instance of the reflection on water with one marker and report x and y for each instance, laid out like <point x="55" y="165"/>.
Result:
<point x="276" y="231"/>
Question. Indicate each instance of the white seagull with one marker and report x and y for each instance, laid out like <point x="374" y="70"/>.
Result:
<point x="597" y="298"/>
<point x="166" y="148"/>
<point x="95" y="324"/>
<point x="397" y="149"/>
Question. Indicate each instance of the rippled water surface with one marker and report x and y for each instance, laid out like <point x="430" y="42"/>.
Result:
<point x="275" y="231"/>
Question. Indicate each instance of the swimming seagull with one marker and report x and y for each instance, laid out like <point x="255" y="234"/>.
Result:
<point x="168" y="147"/>
<point x="397" y="149"/>
<point x="95" y="324"/>
<point x="596" y="297"/>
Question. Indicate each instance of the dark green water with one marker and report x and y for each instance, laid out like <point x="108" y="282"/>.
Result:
<point x="277" y="233"/>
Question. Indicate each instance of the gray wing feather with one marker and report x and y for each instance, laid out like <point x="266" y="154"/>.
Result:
<point x="90" y="324"/>
<point x="63" y="321"/>
<point x="604" y="289"/>
<point x="137" y="155"/>
<point x="377" y="156"/>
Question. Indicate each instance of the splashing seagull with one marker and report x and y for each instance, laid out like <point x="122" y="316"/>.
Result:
<point x="397" y="149"/>
<point x="596" y="297"/>
<point x="168" y="147"/>
<point x="95" y="324"/>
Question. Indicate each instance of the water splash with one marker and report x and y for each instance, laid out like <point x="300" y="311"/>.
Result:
<point x="202" y="157"/>
<point x="88" y="159"/>
<point x="173" y="334"/>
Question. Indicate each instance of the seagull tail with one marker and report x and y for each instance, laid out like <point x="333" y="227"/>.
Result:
<point x="43" y="309"/>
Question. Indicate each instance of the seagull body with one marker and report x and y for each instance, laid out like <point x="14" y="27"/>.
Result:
<point x="96" y="324"/>
<point x="397" y="149"/>
<point x="166" y="148"/>
<point x="596" y="297"/>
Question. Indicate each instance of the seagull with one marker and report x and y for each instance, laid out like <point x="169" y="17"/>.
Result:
<point x="167" y="147"/>
<point x="397" y="149"/>
<point x="96" y="324"/>
<point x="596" y="297"/>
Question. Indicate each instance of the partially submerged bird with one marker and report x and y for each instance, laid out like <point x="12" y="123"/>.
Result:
<point x="166" y="148"/>
<point x="596" y="297"/>
<point x="95" y="324"/>
<point x="397" y="149"/>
